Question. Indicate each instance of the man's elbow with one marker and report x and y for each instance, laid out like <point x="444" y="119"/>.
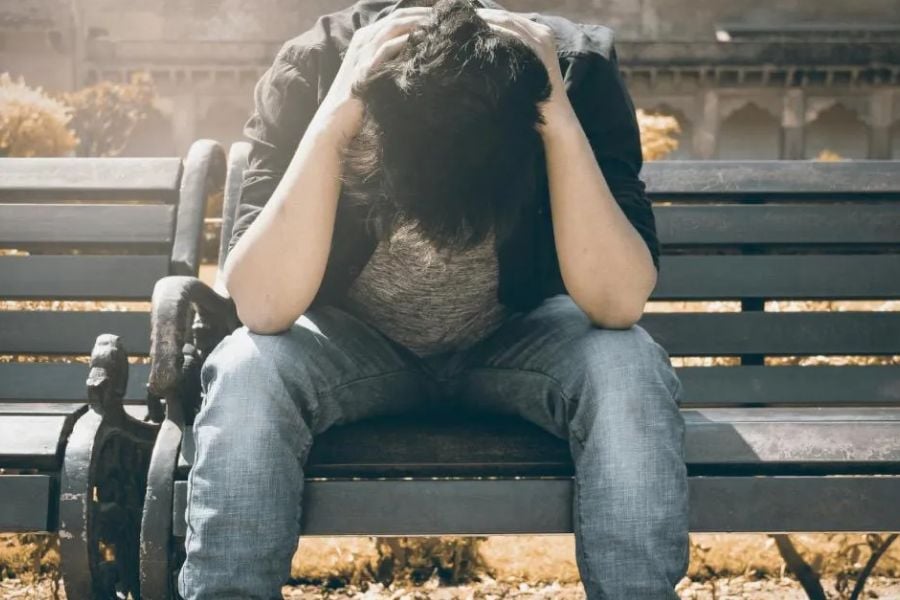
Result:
<point x="619" y="319"/>
<point x="258" y="313"/>
<point x="613" y="312"/>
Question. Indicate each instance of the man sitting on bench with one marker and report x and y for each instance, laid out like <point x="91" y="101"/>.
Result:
<point x="395" y="251"/>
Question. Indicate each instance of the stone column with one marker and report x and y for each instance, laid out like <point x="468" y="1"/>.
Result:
<point x="706" y="128"/>
<point x="881" y="108"/>
<point x="184" y="120"/>
<point x="793" y="121"/>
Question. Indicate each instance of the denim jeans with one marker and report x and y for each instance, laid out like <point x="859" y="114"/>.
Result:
<point x="612" y="393"/>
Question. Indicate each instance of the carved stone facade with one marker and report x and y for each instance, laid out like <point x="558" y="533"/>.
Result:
<point x="745" y="79"/>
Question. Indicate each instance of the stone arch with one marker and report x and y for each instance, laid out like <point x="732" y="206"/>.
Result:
<point x="837" y="129"/>
<point x="684" y="137"/>
<point x="750" y="132"/>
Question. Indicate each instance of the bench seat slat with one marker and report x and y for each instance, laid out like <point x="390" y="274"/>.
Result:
<point x="61" y="382"/>
<point x="786" y="276"/>
<point x="775" y="333"/>
<point x="840" y="440"/>
<point x="25" y="225"/>
<point x="90" y="174"/>
<point x="793" y="224"/>
<point x="54" y="332"/>
<point x="81" y="277"/>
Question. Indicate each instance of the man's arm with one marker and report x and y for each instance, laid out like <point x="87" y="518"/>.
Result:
<point x="280" y="251"/>
<point x="604" y="227"/>
<point x="288" y="201"/>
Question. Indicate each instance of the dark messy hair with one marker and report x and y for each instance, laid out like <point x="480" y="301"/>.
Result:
<point x="449" y="138"/>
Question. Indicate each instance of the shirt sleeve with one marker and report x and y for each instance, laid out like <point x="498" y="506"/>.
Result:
<point x="285" y="101"/>
<point x="607" y="115"/>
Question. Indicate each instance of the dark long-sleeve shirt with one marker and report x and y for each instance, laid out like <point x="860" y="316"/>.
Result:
<point x="290" y="91"/>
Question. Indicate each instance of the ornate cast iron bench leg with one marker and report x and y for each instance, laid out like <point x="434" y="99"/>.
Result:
<point x="102" y="484"/>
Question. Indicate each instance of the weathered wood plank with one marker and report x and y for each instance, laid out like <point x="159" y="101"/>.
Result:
<point x="61" y="224"/>
<point x="845" y="277"/>
<point x="119" y="174"/>
<point x="840" y="440"/>
<point x="55" y="332"/>
<point x="794" y="224"/>
<point x="771" y="177"/>
<point x="721" y="334"/>
<point x="790" y="385"/>
<point x="34" y="442"/>
<point x="26" y="503"/>
<point x="504" y="506"/>
<point x="81" y="277"/>
<point x="61" y="382"/>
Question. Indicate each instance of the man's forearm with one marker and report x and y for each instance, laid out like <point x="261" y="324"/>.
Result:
<point x="605" y="264"/>
<point x="275" y="270"/>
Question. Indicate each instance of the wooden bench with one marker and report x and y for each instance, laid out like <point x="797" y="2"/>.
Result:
<point x="771" y="448"/>
<point x="98" y="230"/>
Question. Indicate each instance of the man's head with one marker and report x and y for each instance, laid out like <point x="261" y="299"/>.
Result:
<point x="450" y="135"/>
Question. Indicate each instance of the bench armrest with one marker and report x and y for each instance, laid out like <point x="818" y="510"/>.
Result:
<point x="188" y="319"/>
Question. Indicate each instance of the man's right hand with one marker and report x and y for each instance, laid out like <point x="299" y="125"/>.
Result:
<point x="370" y="46"/>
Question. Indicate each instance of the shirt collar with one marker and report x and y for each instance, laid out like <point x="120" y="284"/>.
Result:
<point x="401" y="3"/>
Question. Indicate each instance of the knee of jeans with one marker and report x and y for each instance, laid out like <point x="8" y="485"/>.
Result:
<point x="242" y="352"/>
<point x="244" y="392"/>
<point x="629" y="372"/>
<point x="248" y="363"/>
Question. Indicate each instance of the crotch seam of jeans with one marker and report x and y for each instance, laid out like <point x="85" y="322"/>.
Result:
<point x="368" y="377"/>
<point x="574" y="430"/>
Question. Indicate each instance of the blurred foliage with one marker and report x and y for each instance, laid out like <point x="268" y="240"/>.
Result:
<point x="829" y="156"/>
<point x="454" y="560"/>
<point x="106" y="114"/>
<point x="657" y="134"/>
<point x="97" y="120"/>
<point x="31" y="122"/>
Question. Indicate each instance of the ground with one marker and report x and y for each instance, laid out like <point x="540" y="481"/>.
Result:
<point x="715" y="589"/>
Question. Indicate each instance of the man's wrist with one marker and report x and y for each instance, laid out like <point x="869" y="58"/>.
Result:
<point x="331" y="127"/>
<point x="560" y="119"/>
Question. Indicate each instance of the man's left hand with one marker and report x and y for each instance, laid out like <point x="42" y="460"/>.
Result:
<point x="540" y="38"/>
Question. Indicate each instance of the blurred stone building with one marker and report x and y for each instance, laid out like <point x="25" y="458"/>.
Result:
<point x="745" y="79"/>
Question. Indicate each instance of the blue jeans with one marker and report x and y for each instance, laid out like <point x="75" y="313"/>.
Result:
<point x="612" y="393"/>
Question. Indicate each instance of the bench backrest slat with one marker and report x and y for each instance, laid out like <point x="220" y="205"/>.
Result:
<point x="808" y="223"/>
<point x="771" y="178"/>
<point x="68" y="332"/>
<point x="25" y="226"/>
<point x="800" y="276"/>
<point x="43" y="177"/>
<point x="81" y="277"/>
<point x="776" y="334"/>
<point x="60" y="382"/>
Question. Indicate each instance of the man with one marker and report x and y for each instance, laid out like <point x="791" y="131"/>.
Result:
<point x="442" y="208"/>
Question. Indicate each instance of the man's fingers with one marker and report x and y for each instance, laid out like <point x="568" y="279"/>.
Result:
<point x="390" y="49"/>
<point x="398" y="27"/>
<point x="525" y="38"/>
<point x="509" y="22"/>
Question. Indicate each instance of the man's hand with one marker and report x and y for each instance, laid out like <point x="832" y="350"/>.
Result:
<point x="541" y="39"/>
<point x="370" y="46"/>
